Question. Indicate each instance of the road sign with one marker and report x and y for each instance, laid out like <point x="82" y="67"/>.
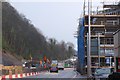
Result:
<point x="107" y="60"/>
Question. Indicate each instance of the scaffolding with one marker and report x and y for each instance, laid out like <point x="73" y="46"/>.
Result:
<point x="104" y="22"/>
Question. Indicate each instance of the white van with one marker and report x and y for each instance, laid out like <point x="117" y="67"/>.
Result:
<point x="61" y="65"/>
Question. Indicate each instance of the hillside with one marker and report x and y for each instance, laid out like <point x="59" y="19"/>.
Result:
<point x="8" y="59"/>
<point x="20" y="38"/>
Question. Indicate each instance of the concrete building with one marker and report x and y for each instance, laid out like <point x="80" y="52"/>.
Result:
<point x="117" y="50"/>
<point x="103" y="24"/>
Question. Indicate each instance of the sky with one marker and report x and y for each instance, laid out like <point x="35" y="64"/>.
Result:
<point x="54" y="18"/>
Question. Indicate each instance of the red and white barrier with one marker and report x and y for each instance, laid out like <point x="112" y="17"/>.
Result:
<point x="6" y="77"/>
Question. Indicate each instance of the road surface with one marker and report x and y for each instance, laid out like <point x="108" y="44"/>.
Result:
<point x="66" y="73"/>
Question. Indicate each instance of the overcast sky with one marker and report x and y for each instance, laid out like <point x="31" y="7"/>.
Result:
<point x="55" y="19"/>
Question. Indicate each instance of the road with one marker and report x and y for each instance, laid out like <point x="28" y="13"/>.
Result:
<point x="66" y="73"/>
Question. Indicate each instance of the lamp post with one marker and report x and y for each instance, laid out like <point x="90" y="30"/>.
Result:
<point x="73" y="63"/>
<point x="89" y="43"/>
<point x="99" y="49"/>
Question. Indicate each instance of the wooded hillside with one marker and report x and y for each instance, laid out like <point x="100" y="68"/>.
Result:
<point x="21" y="38"/>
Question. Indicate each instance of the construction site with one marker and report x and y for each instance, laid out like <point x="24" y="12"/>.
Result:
<point x="104" y="38"/>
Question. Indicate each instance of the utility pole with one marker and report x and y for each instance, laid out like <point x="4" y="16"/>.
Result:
<point x="84" y="9"/>
<point x="98" y="49"/>
<point x="89" y="43"/>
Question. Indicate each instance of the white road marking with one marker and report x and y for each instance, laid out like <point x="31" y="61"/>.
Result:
<point x="74" y="76"/>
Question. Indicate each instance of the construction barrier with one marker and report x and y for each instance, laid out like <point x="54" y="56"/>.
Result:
<point x="6" y="70"/>
<point x="6" y="77"/>
<point x="9" y="72"/>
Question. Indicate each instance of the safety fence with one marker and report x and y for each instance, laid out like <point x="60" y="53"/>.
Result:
<point x="11" y="70"/>
<point x="22" y="75"/>
<point x="8" y="72"/>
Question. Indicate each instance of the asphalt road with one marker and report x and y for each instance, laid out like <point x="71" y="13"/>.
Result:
<point x="66" y="73"/>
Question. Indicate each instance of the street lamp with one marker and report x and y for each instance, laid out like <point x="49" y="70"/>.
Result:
<point x="98" y="49"/>
<point x="89" y="43"/>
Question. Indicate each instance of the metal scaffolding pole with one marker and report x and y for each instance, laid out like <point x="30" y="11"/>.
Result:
<point x="99" y="49"/>
<point x="89" y="43"/>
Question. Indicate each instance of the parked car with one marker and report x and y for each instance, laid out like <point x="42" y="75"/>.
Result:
<point x="114" y="76"/>
<point x="102" y="73"/>
<point x="61" y="65"/>
<point x="54" y="66"/>
<point x="33" y="66"/>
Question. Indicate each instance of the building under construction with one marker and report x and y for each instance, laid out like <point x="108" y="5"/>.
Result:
<point x="104" y="24"/>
